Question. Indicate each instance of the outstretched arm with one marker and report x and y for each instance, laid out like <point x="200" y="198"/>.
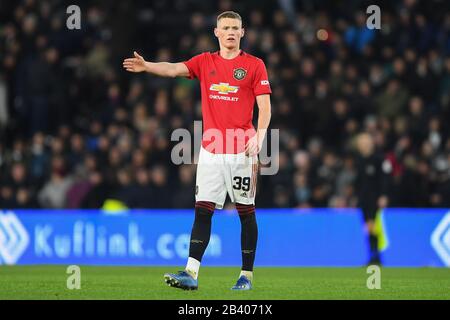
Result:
<point x="254" y="145"/>
<point x="162" y="69"/>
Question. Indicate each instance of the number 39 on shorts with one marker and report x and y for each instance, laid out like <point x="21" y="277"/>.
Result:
<point x="241" y="183"/>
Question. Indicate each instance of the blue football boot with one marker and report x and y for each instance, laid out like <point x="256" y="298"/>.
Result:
<point x="243" y="283"/>
<point x="182" y="280"/>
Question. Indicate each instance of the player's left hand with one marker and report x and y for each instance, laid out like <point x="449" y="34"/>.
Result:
<point x="252" y="147"/>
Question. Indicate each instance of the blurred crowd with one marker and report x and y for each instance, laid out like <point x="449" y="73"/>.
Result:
<point x="77" y="130"/>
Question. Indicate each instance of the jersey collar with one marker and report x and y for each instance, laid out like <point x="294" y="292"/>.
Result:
<point x="241" y="53"/>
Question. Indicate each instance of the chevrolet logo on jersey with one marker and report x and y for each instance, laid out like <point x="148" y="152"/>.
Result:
<point x="223" y="88"/>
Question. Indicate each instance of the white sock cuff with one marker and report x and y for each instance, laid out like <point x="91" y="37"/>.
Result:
<point x="193" y="265"/>
<point x="247" y="274"/>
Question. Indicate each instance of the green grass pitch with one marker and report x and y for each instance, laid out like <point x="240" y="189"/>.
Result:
<point x="49" y="282"/>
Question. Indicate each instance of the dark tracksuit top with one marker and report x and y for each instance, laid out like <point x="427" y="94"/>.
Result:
<point x="372" y="181"/>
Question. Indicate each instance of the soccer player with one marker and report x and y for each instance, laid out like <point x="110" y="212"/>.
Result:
<point x="230" y="81"/>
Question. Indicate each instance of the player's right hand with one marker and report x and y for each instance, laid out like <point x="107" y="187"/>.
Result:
<point x="136" y="64"/>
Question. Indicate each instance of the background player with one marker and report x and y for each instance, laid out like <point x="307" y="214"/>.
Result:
<point x="372" y="182"/>
<point x="230" y="81"/>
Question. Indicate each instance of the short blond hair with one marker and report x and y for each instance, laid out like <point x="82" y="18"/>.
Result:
<point x="229" y="14"/>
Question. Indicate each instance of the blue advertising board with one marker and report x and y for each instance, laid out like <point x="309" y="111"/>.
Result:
<point x="287" y="237"/>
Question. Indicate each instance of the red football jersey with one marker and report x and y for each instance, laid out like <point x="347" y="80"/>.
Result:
<point x="228" y="88"/>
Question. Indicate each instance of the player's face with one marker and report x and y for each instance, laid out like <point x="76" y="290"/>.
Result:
<point x="229" y="32"/>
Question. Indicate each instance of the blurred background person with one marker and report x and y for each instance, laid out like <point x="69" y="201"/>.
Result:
<point x="372" y="188"/>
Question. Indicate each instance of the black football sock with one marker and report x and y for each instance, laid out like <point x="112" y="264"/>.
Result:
<point x="373" y="245"/>
<point x="249" y="235"/>
<point x="201" y="230"/>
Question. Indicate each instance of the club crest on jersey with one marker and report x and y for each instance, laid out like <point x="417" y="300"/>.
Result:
<point x="239" y="73"/>
<point x="223" y="88"/>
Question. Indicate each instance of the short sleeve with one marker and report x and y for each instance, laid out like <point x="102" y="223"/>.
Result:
<point x="261" y="83"/>
<point x="194" y="66"/>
